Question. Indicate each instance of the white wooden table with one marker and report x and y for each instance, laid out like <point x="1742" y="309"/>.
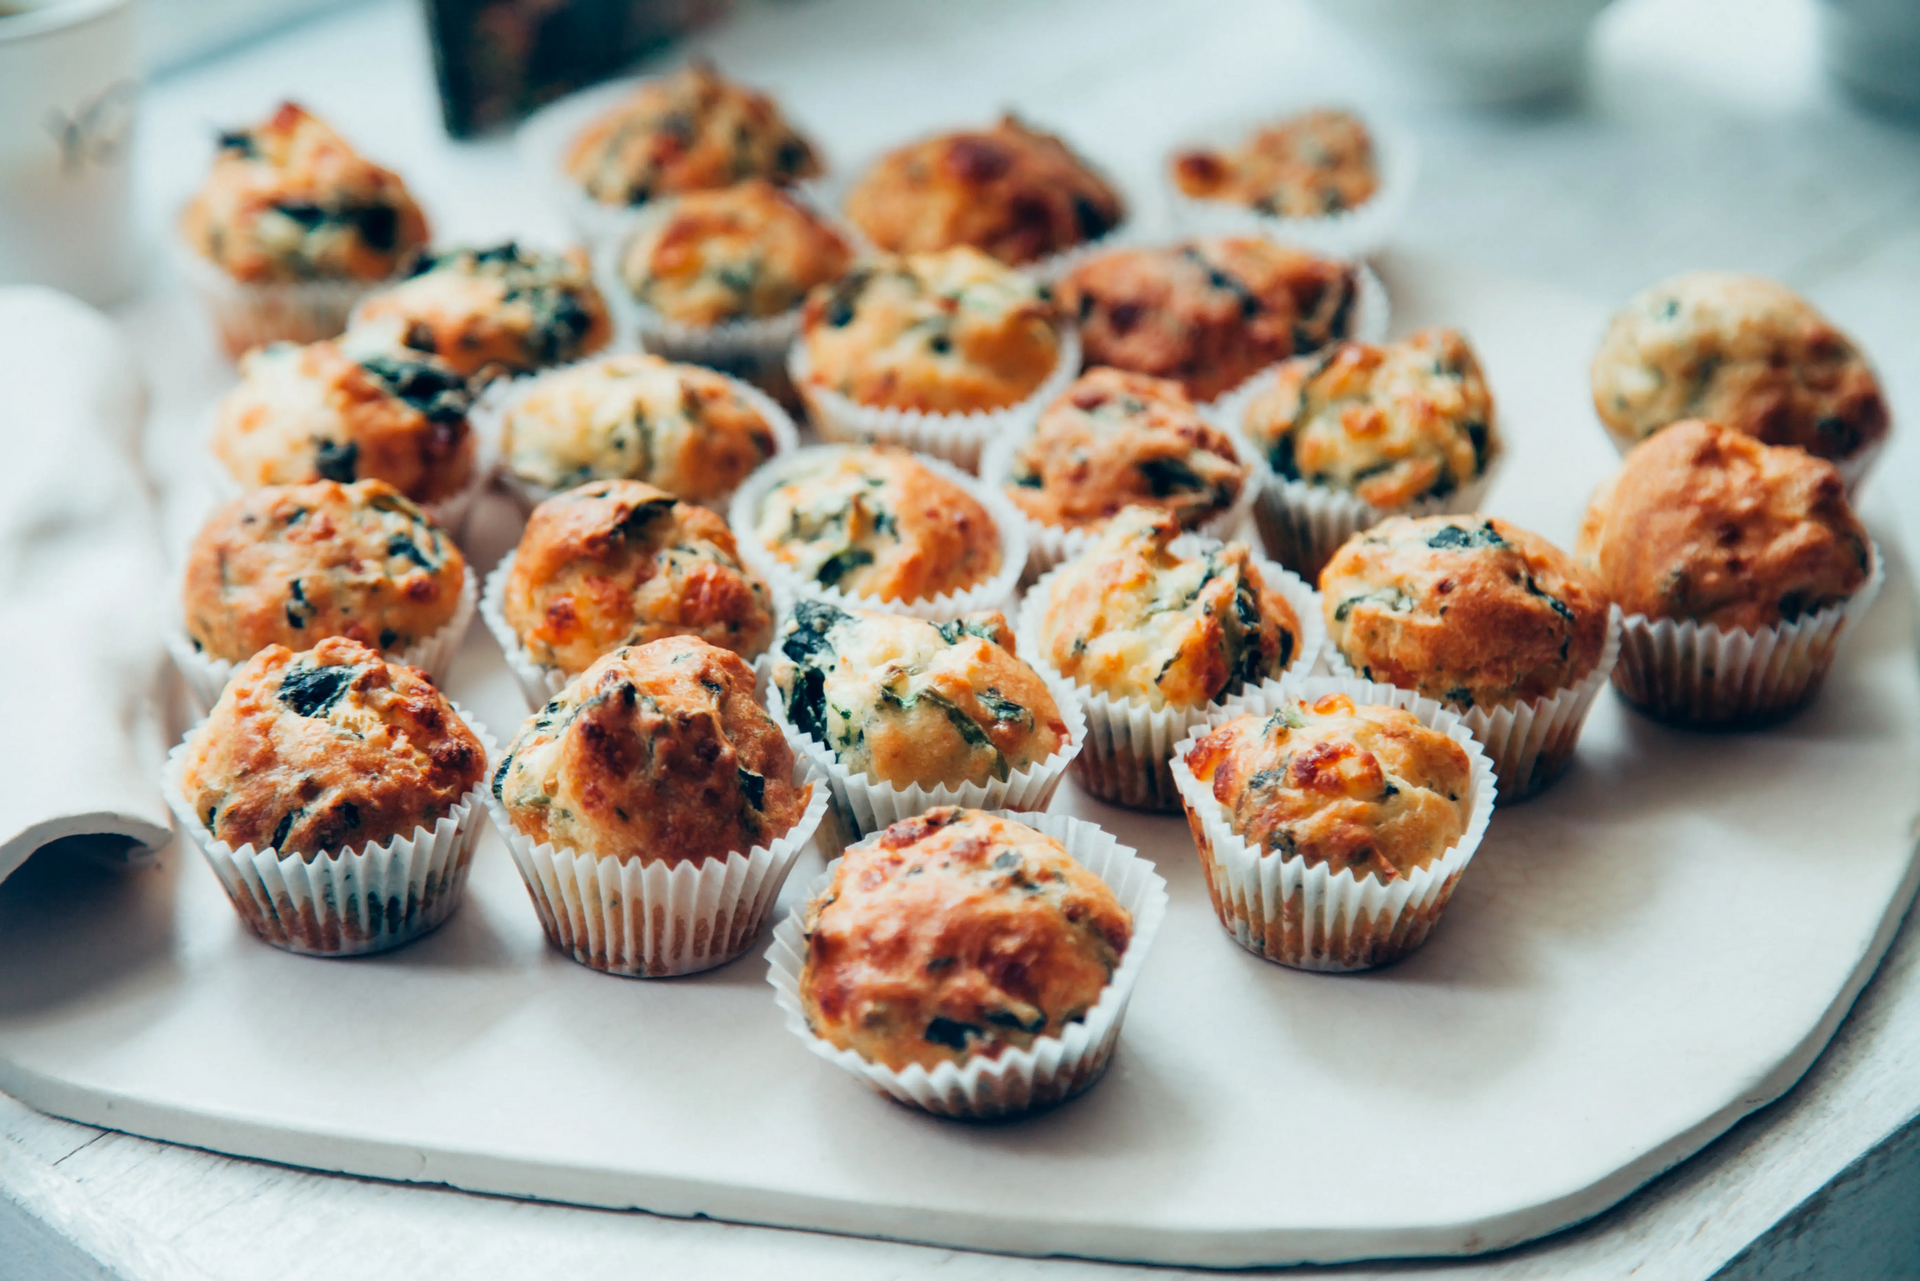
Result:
<point x="1708" y="138"/>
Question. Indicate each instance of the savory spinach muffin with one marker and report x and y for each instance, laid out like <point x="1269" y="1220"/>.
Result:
<point x="955" y="935"/>
<point x="683" y="428"/>
<point x="292" y="564"/>
<point x="1209" y="313"/>
<point x="316" y="412"/>
<point x="1745" y="352"/>
<point x="1010" y="191"/>
<point x="947" y="333"/>
<point x="689" y="131"/>
<point x="656" y="752"/>
<point x="616" y="563"/>
<point x="746" y="252"/>
<point x="1309" y="165"/>
<point x="330" y="749"/>
<point x="1116" y="439"/>
<point x="912" y="702"/>
<point x="499" y="310"/>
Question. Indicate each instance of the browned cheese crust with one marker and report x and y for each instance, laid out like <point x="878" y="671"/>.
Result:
<point x="1306" y="166"/>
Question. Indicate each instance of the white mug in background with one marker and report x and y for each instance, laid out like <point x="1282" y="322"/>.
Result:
<point x="69" y="83"/>
<point x="1873" y="47"/>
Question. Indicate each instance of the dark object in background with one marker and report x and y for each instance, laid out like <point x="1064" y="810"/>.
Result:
<point x="499" y="59"/>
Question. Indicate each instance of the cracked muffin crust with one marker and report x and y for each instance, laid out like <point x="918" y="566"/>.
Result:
<point x="1308" y="165"/>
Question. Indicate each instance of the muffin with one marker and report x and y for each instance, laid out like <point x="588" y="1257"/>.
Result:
<point x="658" y="761"/>
<point x="1710" y="542"/>
<point x="1332" y="826"/>
<point x="291" y="227"/>
<point x="688" y="131"/>
<point x="293" y="564"/>
<point x="617" y="563"/>
<point x="1013" y="192"/>
<point x="1484" y="617"/>
<point x="1744" y="352"/>
<point x="1363" y="429"/>
<point x="877" y="526"/>
<point x="347" y="782"/>
<point x="1309" y="165"/>
<point x="1208" y="313"/>
<point x="315" y="412"/>
<point x="499" y="310"/>
<point x="1150" y="635"/>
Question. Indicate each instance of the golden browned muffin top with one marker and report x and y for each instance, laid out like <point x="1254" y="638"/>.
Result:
<point x="1743" y="351"/>
<point x="499" y="310"/>
<point x="736" y="253"/>
<point x="1133" y="618"/>
<point x="1010" y="191"/>
<point x="656" y="752"/>
<point x="288" y="199"/>
<point x="1116" y="439"/>
<point x="684" y="428"/>
<point x="1307" y="166"/>
<point x="618" y="563"/>
<point x="293" y="564"/>
<point x="878" y="523"/>
<point x="949" y="332"/>
<point x="1470" y="610"/>
<point x="1391" y="424"/>
<point x="1367" y="790"/>
<point x="314" y="412"/>
<point x="956" y="934"/>
<point x="689" y="131"/>
<point x="1210" y="313"/>
<point x="332" y="749"/>
<point x="909" y="701"/>
<point x="1703" y="523"/>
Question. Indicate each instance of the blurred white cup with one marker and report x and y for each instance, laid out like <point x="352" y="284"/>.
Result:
<point x="1873" y="46"/>
<point x="1474" y="51"/>
<point x="69" y="84"/>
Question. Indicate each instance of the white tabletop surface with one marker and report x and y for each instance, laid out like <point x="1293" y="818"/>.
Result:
<point x="1708" y="138"/>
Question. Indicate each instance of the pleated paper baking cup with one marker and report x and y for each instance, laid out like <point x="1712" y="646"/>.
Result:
<point x="1698" y="674"/>
<point x="252" y="314"/>
<point x="1130" y="741"/>
<point x="1360" y="232"/>
<point x="994" y="592"/>
<point x="489" y="418"/>
<point x="866" y="804"/>
<point x="955" y="438"/>
<point x="1296" y="912"/>
<point x="652" y="919"/>
<point x="1053" y="1069"/>
<point x="344" y="902"/>
<point x="1530" y="743"/>
<point x="206" y="676"/>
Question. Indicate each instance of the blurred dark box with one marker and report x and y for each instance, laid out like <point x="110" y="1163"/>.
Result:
<point x="499" y="59"/>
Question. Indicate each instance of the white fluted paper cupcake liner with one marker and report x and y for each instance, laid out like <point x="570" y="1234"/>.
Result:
<point x="248" y="315"/>
<point x="955" y="438"/>
<point x="1129" y="741"/>
<point x="652" y="919"/>
<point x="1296" y="912"/>
<point x="1530" y="743"/>
<point x="994" y="592"/>
<point x="1053" y="1068"/>
<point x="344" y="902"/>
<point x="1699" y="674"/>
<point x="206" y="676"/>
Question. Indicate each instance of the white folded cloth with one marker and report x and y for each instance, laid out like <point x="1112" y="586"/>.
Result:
<point x="82" y="588"/>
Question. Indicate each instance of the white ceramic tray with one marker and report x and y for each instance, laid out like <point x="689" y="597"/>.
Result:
<point x="1659" y="945"/>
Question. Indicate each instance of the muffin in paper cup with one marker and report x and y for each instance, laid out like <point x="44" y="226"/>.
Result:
<point x="995" y="592"/>
<point x="206" y="676"/>
<point x="344" y="902"/>
<point x="253" y="314"/>
<point x="1530" y="743"/>
<point x="1700" y="674"/>
<point x="649" y="919"/>
<point x="1295" y="912"/>
<point x="1130" y="743"/>
<point x="955" y="438"/>
<point x="1054" y="1068"/>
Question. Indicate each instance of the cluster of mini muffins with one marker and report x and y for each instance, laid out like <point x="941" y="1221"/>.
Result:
<point x="1015" y="554"/>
